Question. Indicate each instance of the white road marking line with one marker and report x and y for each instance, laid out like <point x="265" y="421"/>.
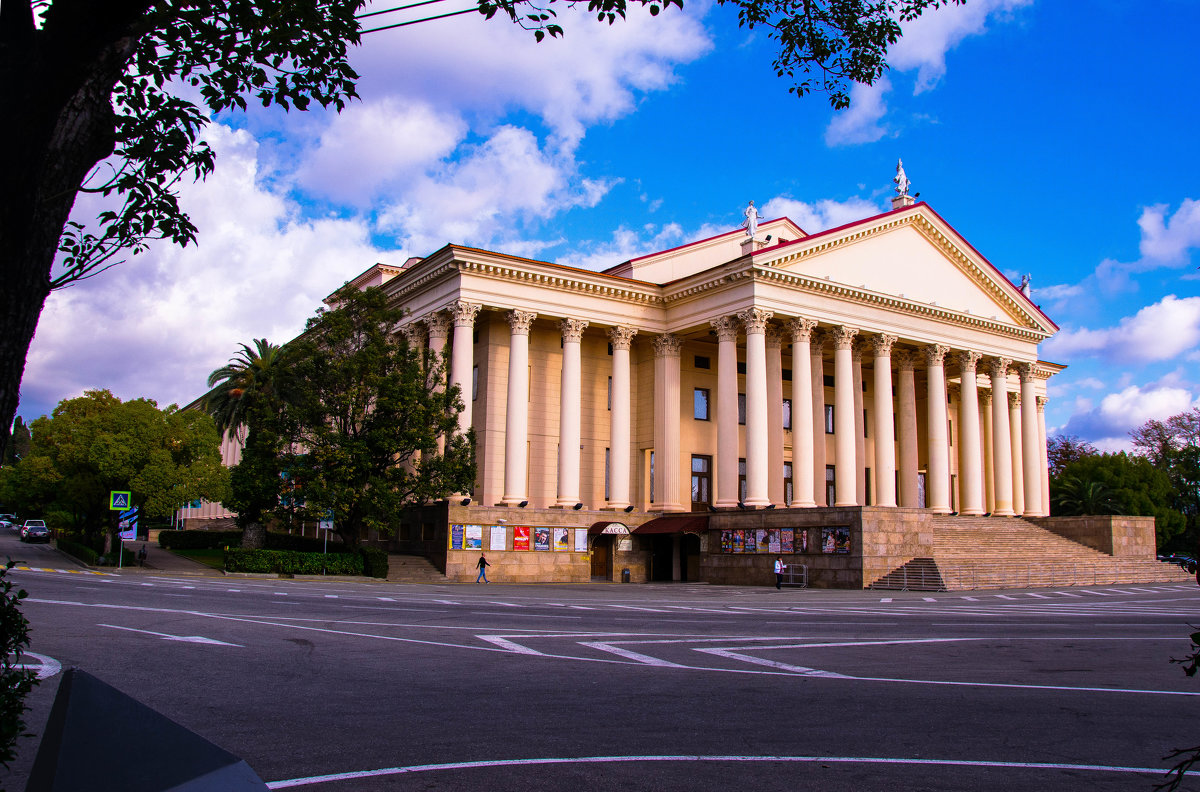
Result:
<point x="1037" y="596"/>
<point x="385" y="599"/>
<point x="331" y="596"/>
<point x="630" y="655"/>
<point x="511" y="646"/>
<point x="971" y="599"/>
<point x="1004" y="597"/>
<point x="886" y="599"/>
<point x="196" y="639"/>
<point x="745" y="658"/>
<point x="386" y="771"/>
<point x="45" y="668"/>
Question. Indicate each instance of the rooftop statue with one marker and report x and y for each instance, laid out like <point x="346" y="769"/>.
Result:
<point x="751" y="223"/>
<point x="901" y="180"/>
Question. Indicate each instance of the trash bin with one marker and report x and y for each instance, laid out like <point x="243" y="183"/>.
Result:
<point x="625" y="575"/>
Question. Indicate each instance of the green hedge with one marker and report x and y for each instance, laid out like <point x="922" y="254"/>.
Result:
<point x="291" y="562"/>
<point x="91" y="557"/>
<point x="375" y="562"/>
<point x="215" y="540"/>
<point x="199" y="540"/>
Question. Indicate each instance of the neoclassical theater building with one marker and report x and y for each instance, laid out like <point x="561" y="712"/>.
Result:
<point x="845" y="399"/>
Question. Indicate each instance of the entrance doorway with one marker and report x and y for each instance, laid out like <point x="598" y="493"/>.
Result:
<point x="602" y="557"/>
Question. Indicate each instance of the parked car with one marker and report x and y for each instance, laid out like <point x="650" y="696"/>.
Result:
<point x="9" y="521"/>
<point x="1181" y="559"/>
<point x="35" y="533"/>
<point x="31" y="524"/>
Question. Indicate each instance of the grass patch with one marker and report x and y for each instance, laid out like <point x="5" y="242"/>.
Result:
<point x="212" y="557"/>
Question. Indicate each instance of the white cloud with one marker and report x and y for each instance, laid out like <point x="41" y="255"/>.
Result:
<point x="1169" y="241"/>
<point x="860" y="123"/>
<point x="1109" y="424"/>
<point x="371" y="146"/>
<point x="1164" y="330"/>
<point x="156" y="325"/>
<point x="482" y="199"/>
<point x="928" y="38"/>
<point x="820" y="215"/>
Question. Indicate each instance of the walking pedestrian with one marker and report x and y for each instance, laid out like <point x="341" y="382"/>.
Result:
<point x="142" y="555"/>
<point x="483" y="565"/>
<point x="779" y="572"/>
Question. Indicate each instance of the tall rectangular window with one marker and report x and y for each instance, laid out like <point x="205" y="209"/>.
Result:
<point x="610" y="393"/>
<point x="607" y="460"/>
<point x="787" y="483"/>
<point x="741" y="481"/>
<point x="700" y="404"/>
<point x="828" y="419"/>
<point x="787" y="414"/>
<point x="475" y="383"/>
<point x="652" y="477"/>
<point x="741" y="409"/>
<point x="701" y="482"/>
<point x="830" y="485"/>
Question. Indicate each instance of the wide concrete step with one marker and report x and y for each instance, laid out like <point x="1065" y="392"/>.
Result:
<point x="1000" y="552"/>
<point x="404" y="568"/>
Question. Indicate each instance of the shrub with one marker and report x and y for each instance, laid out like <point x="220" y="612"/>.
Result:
<point x="199" y="540"/>
<point x="375" y="562"/>
<point x="15" y="682"/>
<point x="292" y="562"/>
<point x="303" y="544"/>
<point x="80" y="551"/>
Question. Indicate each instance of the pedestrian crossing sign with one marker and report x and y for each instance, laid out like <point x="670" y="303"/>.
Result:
<point x="120" y="501"/>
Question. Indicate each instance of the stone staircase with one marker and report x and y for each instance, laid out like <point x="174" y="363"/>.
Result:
<point x="1008" y="552"/>
<point x="412" y="569"/>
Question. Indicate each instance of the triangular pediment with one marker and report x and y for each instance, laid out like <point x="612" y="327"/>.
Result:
<point x="914" y="255"/>
<point x="671" y="265"/>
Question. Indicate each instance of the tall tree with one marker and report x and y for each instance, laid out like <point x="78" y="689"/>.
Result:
<point x="369" y="414"/>
<point x="97" y="115"/>
<point x="1062" y="450"/>
<point x="1173" y="446"/>
<point x="1118" y="484"/>
<point x="246" y="404"/>
<point x="96" y="443"/>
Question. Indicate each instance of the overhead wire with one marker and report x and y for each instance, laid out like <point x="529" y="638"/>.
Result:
<point x="415" y="21"/>
<point x="411" y="21"/>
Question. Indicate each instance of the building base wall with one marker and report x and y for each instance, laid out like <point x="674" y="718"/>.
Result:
<point x="1122" y="537"/>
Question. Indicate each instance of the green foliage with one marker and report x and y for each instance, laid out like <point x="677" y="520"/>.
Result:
<point x="1187" y="757"/>
<point x="1117" y="484"/>
<point x="198" y="540"/>
<point x="368" y="412"/>
<point x="1062" y="450"/>
<point x="15" y="683"/>
<point x="291" y="562"/>
<point x="1173" y="446"/>
<point x="78" y="550"/>
<point x="375" y="561"/>
<point x="824" y="45"/>
<point x="96" y="443"/>
<point x="18" y="443"/>
<point x="288" y="54"/>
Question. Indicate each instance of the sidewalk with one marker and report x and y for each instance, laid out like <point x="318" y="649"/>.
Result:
<point x="160" y="560"/>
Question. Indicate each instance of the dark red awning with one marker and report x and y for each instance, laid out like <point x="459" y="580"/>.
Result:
<point x="674" y="523"/>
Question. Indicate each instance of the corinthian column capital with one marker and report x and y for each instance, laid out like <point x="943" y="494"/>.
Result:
<point x="464" y="313"/>
<point x="801" y="329"/>
<point x="520" y="321"/>
<point x="572" y="329"/>
<point x="666" y="345"/>
<point x="998" y="368"/>
<point x="967" y="360"/>
<point x="882" y="343"/>
<point x="755" y="319"/>
<point x="622" y="337"/>
<point x="726" y="328"/>
<point x="843" y="336"/>
<point x="935" y="354"/>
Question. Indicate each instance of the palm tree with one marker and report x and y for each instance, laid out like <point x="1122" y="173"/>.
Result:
<point x="243" y="392"/>
<point x="248" y="378"/>
<point x="1078" y="496"/>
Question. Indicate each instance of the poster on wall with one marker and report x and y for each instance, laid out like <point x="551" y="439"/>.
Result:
<point x="580" y="541"/>
<point x="726" y="541"/>
<point x="456" y="537"/>
<point x="473" y="537"/>
<point x="760" y="541"/>
<point x="802" y="541"/>
<point x="739" y="540"/>
<point x="561" y="537"/>
<point x="773" y="542"/>
<point x="541" y="538"/>
<point x="520" y="537"/>
<point x="835" y="540"/>
<point x="499" y="536"/>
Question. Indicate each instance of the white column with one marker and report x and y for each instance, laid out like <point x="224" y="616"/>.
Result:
<point x="937" y="486"/>
<point x="775" y="416"/>
<point x="860" y="433"/>
<point x="726" y="328"/>
<point x="845" y="464"/>
<point x="462" y="356"/>
<point x="619" y="435"/>
<point x="802" y="409"/>
<point x="755" y="322"/>
<point x="1002" y="455"/>
<point x="910" y="492"/>
<point x="987" y="455"/>
<point x="1015" y="474"/>
<point x="516" y="424"/>
<point x="666" y="422"/>
<point x="817" y="352"/>
<point x="1044" y="455"/>
<point x="885" y="423"/>
<point x="970" y="477"/>
<point x="438" y="325"/>
<point x="569" y="406"/>
<point x="1030" y="441"/>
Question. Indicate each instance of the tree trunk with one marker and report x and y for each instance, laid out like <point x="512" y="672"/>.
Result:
<point x="59" y="80"/>
<point x="254" y="536"/>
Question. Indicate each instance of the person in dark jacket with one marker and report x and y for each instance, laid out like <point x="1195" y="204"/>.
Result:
<point x="483" y="565"/>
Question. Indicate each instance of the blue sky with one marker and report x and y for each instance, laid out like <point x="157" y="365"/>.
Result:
<point x="1059" y="143"/>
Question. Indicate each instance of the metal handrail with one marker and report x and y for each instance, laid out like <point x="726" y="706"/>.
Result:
<point x="962" y="575"/>
<point x="795" y="575"/>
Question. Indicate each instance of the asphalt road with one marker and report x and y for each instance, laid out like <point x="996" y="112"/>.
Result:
<point x="639" y="687"/>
